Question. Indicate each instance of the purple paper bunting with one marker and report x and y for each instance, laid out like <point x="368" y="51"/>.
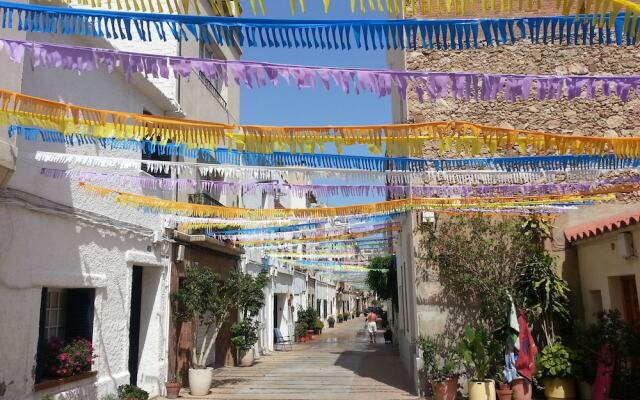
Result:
<point x="470" y="86"/>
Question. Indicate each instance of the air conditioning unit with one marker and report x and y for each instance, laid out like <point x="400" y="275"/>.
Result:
<point x="625" y="245"/>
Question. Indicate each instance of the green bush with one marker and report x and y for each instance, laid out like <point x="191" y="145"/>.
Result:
<point x="555" y="361"/>
<point x="308" y="316"/>
<point x="318" y="324"/>
<point x="346" y="316"/>
<point x="244" y="334"/>
<point x="132" y="392"/>
<point x="340" y="317"/>
<point x="479" y="353"/>
<point x="439" y="358"/>
<point x="331" y="320"/>
<point x="301" y="329"/>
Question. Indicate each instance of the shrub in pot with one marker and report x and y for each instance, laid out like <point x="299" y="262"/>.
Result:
<point x="340" y="318"/>
<point x="318" y="325"/>
<point x="346" y="316"/>
<point x="479" y="353"/>
<point x="301" y="331"/>
<point x="555" y="368"/>
<point x="173" y="387"/>
<point x="244" y="335"/>
<point x="208" y="301"/>
<point x="130" y="392"/>
<point x="440" y="366"/>
<point x="331" y="321"/>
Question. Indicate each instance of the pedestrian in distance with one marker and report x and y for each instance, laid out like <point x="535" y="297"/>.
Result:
<point x="371" y="326"/>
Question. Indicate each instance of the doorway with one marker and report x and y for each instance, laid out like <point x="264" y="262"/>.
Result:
<point x="631" y="309"/>
<point x="134" y="324"/>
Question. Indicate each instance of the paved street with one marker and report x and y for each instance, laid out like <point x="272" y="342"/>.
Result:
<point x="339" y="364"/>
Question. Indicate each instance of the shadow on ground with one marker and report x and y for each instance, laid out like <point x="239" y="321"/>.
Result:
<point x="380" y="362"/>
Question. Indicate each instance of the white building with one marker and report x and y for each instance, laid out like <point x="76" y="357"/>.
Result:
<point x="78" y="265"/>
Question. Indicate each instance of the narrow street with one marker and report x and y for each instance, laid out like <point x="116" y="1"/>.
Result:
<point x="339" y="364"/>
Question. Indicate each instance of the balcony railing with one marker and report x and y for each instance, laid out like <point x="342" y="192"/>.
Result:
<point x="204" y="199"/>
<point x="212" y="89"/>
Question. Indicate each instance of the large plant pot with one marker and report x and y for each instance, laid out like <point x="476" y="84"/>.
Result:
<point x="309" y="334"/>
<point x="245" y="358"/>
<point x="482" y="390"/>
<point x="559" y="388"/>
<point x="445" y="390"/>
<point x="331" y="324"/>
<point x="173" y="390"/>
<point x="504" y="392"/>
<point x="586" y="390"/>
<point x="200" y="381"/>
<point x="521" y="389"/>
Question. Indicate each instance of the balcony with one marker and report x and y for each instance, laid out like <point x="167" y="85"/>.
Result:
<point x="7" y="161"/>
<point x="204" y="199"/>
<point x="213" y="90"/>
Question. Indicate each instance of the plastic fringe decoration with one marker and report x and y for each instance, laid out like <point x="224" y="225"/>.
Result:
<point x="322" y="34"/>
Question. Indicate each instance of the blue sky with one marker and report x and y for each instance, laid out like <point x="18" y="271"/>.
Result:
<point x="287" y="105"/>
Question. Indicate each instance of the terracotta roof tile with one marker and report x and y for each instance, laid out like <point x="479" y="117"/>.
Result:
<point x="601" y="226"/>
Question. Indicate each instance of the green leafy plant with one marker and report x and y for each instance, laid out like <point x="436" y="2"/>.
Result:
<point x="331" y="320"/>
<point x="479" y="353"/>
<point x="244" y="334"/>
<point x="301" y="329"/>
<point x="130" y="392"/>
<point x="555" y="361"/>
<point x="545" y="294"/>
<point x="346" y="316"/>
<point x="308" y="316"/>
<point x="318" y="324"/>
<point x="47" y="397"/>
<point x="340" y="317"/>
<point x="68" y="359"/>
<point x="204" y="298"/>
<point x="382" y="279"/>
<point x="440" y="360"/>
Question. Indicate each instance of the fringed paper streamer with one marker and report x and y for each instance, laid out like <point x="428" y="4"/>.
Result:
<point x="324" y="238"/>
<point x="614" y="185"/>
<point x="626" y="14"/>
<point x="338" y="161"/>
<point x="317" y="34"/>
<point x="168" y="206"/>
<point x="306" y="235"/>
<point x="399" y="139"/>
<point x="312" y="256"/>
<point x="462" y="177"/>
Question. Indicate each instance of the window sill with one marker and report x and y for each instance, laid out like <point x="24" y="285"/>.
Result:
<point x="51" y="383"/>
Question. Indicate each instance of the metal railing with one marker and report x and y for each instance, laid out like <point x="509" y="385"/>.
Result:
<point x="212" y="89"/>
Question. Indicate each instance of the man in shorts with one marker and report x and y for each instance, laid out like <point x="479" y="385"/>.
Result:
<point x="371" y="326"/>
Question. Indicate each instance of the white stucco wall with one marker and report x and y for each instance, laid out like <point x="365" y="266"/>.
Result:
<point x="74" y="253"/>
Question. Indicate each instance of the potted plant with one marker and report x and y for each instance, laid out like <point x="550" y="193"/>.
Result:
<point x="388" y="336"/>
<point x="130" y="392"/>
<point x="340" y="318"/>
<point x="331" y="321"/>
<point x="317" y="327"/>
<point x="555" y="368"/>
<point x="346" y="316"/>
<point x="478" y="353"/>
<point x="173" y="387"/>
<point x="301" y="331"/>
<point x="504" y="391"/>
<point x="440" y="366"/>
<point x="358" y="314"/>
<point x="64" y="360"/>
<point x="207" y="301"/>
<point x="244" y="335"/>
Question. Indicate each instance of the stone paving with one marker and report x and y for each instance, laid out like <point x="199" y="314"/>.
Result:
<point x="339" y="364"/>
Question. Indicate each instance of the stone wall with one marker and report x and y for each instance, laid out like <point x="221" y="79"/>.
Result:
<point x="605" y="116"/>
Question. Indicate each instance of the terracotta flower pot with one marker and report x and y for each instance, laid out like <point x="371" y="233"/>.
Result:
<point x="504" y="392"/>
<point x="521" y="389"/>
<point x="173" y="389"/>
<point x="310" y="334"/>
<point x="559" y="388"/>
<point x="445" y="390"/>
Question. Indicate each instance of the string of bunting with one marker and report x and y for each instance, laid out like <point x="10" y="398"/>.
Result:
<point x="614" y="185"/>
<point x="309" y="235"/>
<point x="337" y="161"/>
<point x="160" y="205"/>
<point x="385" y="230"/>
<point x="325" y="34"/>
<point x="244" y="173"/>
<point x="470" y="86"/>
<point x="399" y="139"/>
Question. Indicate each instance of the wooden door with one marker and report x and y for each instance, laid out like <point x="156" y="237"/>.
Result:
<point x="630" y="298"/>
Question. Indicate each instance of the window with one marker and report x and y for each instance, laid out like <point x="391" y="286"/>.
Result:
<point x="318" y="303"/>
<point x="215" y="87"/>
<point x="324" y="309"/>
<point x="65" y="314"/>
<point x="156" y="155"/>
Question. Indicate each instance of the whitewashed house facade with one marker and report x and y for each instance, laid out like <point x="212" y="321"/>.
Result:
<point x="82" y="266"/>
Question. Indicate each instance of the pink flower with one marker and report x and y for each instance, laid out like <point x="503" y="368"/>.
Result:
<point x="62" y="357"/>
<point x="77" y="354"/>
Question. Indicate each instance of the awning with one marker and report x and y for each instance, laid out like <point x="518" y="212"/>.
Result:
<point x="209" y="243"/>
<point x="601" y="226"/>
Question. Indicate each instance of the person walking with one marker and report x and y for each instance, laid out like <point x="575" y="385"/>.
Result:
<point x="372" y="326"/>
